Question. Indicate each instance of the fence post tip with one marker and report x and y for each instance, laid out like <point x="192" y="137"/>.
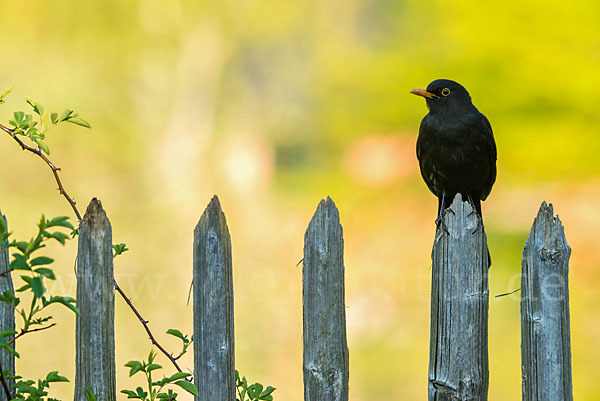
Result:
<point x="94" y="211"/>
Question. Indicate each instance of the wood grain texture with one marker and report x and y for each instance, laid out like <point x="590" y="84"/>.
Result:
<point x="458" y="353"/>
<point x="95" y="338"/>
<point x="7" y="313"/>
<point x="326" y="369"/>
<point x="545" y="328"/>
<point x="214" y="358"/>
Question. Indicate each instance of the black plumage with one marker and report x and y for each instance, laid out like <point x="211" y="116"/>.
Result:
<point x="455" y="147"/>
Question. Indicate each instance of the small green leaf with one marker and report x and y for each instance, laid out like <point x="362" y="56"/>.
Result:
<point x="252" y="393"/>
<point x="19" y="116"/>
<point x="37" y="286"/>
<point x="130" y="394"/>
<point x="78" y="121"/>
<point x="179" y="375"/>
<point x="65" y="115"/>
<point x="266" y="394"/>
<point x="188" y="386"/>
<point x="153" y="366"/>
<point x="162" y="382"/>
<point x="54" y="118"/>
<point x="53" y="377"/>
<point x="19" y="263"/>
<point x="43" y="146"/>
<point x="44" y="271"/>
<point x="119" y="249"/>
<point x="10" y="349"/>
<point x="22" y="246"/>
<point x="4" y="94"/>
<point x="141" y="393"/>
<point x="61" y="221"/>
<point x="66" y="301"/>
<point x="8" y="332"/>
<point x="23" y="288"/>
<point x="89" y="394"/>
<point x="38" y="108"/>
<point x="41" y="260"/>
<point x="176" y="333"/>
<point x="134" y="367"/>
<point x="9" y="297"/>
<point x="60" y="237"/>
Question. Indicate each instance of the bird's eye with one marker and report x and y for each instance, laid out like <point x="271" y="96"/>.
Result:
<point x="445" y="91"/>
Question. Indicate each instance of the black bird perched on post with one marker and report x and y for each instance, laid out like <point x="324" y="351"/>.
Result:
<point x="456" y="147"/>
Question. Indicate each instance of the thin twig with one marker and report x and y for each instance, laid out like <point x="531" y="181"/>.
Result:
<point x="5" y="385"/>
<point x="145" y="324"/>
<point x="23" y="332"/>
<point x="63" y="192"/>
<point x="54" y="169"/>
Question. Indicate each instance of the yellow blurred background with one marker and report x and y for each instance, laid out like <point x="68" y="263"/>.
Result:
<point x="274" y="105"/>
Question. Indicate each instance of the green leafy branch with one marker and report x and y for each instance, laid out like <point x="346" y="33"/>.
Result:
<point x="68" y="116"/>
<point x="119" y="249"/>
<point x="37" y="271"/>
<point x="24" y="125"/>
<point x="29" y="390"/>
<point x="154" y="389"/>
<point x="252" y="392"/>
<point x="185" y="341"/>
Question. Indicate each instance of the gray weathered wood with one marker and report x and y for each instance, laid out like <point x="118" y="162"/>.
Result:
<point x="545" y="330"/>
<point x="214" y="360"/>
<point x="325" y="345"/>
<point x="7" y="314"/>
<point x="95" y="339"/>
<point x="458" y="353"/>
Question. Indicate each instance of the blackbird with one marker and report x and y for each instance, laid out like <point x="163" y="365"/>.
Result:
<point x="455" y="147"/>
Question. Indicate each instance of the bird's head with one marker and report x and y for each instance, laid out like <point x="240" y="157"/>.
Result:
<point x="444" y="95"/>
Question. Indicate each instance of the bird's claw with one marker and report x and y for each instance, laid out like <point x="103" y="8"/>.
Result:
<point x="474" y="212"/>
<point x="479" y="221"/>
<point x="441" y="223"/>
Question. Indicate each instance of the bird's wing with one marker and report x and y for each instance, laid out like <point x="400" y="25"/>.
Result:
<point x="490" y="146"/>
<point x="427" y="168"/>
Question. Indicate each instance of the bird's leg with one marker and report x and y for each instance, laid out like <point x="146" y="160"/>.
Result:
<point x="439" y="222"/>
<point x="474" y="211"/>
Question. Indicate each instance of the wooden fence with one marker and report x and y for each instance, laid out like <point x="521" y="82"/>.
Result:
<point x="458" y="367"/>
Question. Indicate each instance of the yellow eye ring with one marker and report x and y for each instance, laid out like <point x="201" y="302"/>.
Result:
<point x="445" y="92"/>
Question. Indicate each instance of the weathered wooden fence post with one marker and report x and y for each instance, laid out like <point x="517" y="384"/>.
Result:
<point x="458" y="353"/>
<point x="325" y="345"/>
<point x="545" y="330"/>
<point x="95" y="339"/>
<point x="214" y="360"/>
<point x="7" y="313"/>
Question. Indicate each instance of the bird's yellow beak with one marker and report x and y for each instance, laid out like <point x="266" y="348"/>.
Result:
<point x="424" y="93"/>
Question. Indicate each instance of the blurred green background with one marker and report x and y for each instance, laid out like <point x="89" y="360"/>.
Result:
<point x="273" y="105"/>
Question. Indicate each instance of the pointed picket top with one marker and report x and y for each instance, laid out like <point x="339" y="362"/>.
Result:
<point x="325" y="356"/>
<point x="545" y="322"/>
<point x="326" y="216"/>
<point x="214" y="345"/>
<point x="94" y="327"/>
<point x="213" y="216"/>
<point x="95" y="214"/>
<point x="458" y="351"/>
<point x="548" y="230"/>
